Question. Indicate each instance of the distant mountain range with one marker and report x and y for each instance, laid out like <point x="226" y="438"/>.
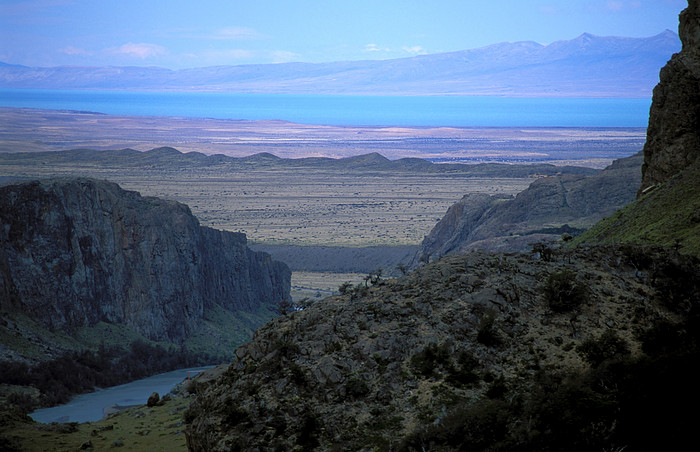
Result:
<point x="587" y="66"/>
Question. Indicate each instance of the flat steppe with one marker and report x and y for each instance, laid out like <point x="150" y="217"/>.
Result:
<point x="299" y="198"/>
<point x="298" y="204"/>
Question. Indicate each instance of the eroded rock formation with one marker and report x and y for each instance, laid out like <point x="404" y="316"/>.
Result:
<point x="74" y="252"/>
<point x="673" y="135"/>
<point x="496" y="223"/>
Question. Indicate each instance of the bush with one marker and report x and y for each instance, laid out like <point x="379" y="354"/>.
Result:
<point x="233" y="414"/>
<point x="356" y="388"/>
<point x="428" y="361"/>
<point x="462" y="374"/>
<point x="607" y="346"/>
<point x="345" y="288"/>
<point x="563" y="292"/>
<point x="23" y="402"/>
<point x="468" y="427"/>
<point x="486" y="333"/>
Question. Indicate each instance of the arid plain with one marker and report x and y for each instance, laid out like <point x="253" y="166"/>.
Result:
<point x="360" y="204"/>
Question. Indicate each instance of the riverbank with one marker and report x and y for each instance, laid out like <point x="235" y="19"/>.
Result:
<point x="96" y="405"/>
<point x="138" y="428"/>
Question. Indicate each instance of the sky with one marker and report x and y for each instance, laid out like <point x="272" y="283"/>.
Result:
<point x="179" y="34"/>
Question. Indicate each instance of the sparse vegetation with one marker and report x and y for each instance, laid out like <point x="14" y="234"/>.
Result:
<point x="667" y="216"/>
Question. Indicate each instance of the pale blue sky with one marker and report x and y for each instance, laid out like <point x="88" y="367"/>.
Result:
<point x="191" y="33"/>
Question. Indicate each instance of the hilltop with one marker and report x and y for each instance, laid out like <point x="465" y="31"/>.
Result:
<point x="168" y="158"/>
<point x="483" y="351"/>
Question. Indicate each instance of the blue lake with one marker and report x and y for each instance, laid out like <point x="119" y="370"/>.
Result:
<point x="457" y="111"/>
<point x="90" y="407"/>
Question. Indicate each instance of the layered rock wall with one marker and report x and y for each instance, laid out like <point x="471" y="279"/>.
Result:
<point x="74" y="252"/>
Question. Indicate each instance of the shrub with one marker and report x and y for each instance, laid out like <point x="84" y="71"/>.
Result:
<point x="309" y="427"/>
<point x="607" y="346"/>
<point x="430" y="359"/>
<point x="356" y="387"/>
<point x="544" y="249"/>
<point x="486" y="333"/>
<point x="462" y="374"/>
<point x="468" y="427"/>
<point x="233" y="414"/>
<point x="24" y="402"/>
<point x="345" y="288"/>
<point x="563" y="292"/>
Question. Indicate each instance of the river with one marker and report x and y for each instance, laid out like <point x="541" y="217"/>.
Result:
<point x="91" y="407"/>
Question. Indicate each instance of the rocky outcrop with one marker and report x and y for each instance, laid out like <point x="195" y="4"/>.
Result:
<point x="364" y="370"/>
<point x="673" y="135"/>
<point x="74" y="252"/>
<point x="549" y="207"/>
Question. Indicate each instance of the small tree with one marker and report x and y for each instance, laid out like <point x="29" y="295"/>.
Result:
<point x="403" y="268"/>
<point x="376" y="277"/>
<point x="486" y="332"/>
<point x="285" y="307"/>
<point x="345" y="288"/>
<point x="544" y="250"/>
<point x="563" y="292"/>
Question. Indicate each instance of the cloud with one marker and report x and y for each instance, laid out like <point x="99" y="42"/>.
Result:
<point x="238" y="33"/>
<point x="415" y="50"/>
<point x="375" y="48"/>
<point x="141" y="50"/>
<point x="70" y="50"/>
<point x="283" y="56"/>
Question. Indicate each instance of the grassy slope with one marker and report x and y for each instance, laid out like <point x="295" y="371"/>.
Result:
<point x="668" y="215"/>
<point x="223" y="331"/>
<point x="137" y="428"/>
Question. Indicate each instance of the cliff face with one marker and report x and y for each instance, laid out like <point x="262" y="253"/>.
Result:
<point x="669" y="214"/>
<point x="480" y="221"/>
<point x="673" y="135"/>
<point x="74" y="252"/>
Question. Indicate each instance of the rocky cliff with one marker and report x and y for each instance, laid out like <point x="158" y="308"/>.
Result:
<point x="667" y="209"/>
<point x="74" y="252"/>
<point x="673" y="135"/>
<point x="549" y="207"/>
